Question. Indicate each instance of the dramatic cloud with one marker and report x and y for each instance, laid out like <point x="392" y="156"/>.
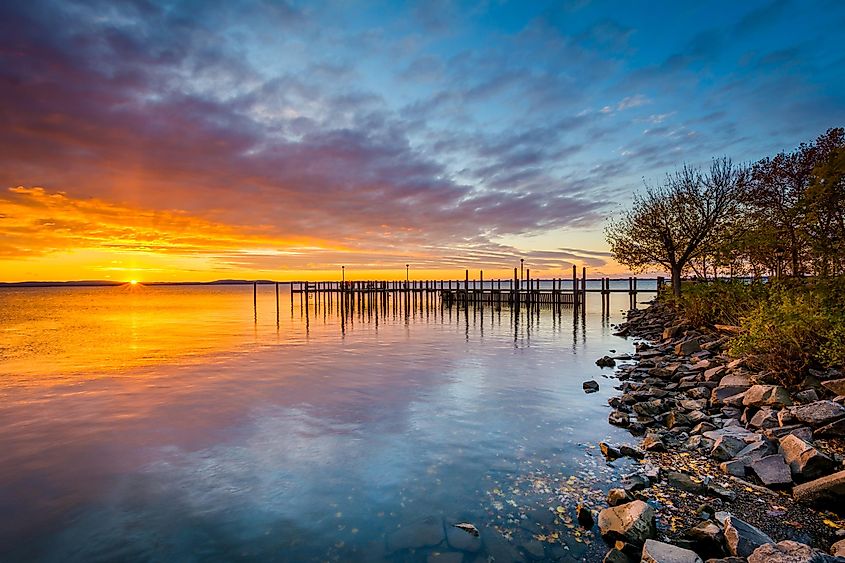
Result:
<point x="268" y="136"/>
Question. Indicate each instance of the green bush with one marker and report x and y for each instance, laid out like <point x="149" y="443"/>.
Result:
<point x="717" y="302"/>
<point x="798" y="325"/>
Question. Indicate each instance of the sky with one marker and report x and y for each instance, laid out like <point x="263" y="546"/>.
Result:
<point x="212" y="139"/>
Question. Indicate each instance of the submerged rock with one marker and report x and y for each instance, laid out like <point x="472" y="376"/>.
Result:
<point x="606" y="362"/>
<point x="633" y="522"/>
<point x="426" y="532"/>
<point x="659" y="552"/>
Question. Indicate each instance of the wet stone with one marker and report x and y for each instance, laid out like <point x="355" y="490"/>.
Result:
<point x="427" y="532"/>
<point x="462" y="540"/>
<point x="590" y="386"/>
<point x="633" y="522"/>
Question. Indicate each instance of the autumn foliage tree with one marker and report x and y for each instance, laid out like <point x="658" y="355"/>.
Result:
<point x="686" y="217"/>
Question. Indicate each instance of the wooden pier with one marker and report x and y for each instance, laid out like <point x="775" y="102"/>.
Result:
<point x="520" y="290"/>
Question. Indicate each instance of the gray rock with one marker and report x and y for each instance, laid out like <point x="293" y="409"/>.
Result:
<point x="707" y="534"/>
<point x="803" y="432"/>
<point x="726" y="447"/>
<point x="772" y="471"/>
<point x="742" y="538"/>
<point x="590" y="386"/>
<point x="632" y="452"/>
<point x="651" y="408"/>
<point x="426" y="532"/>
<point x="721" y="394"/>
<point x="825" y="490"/>
<point x="714" y="374"/>
<point x="633" y="522"/>
<point x="635" y="482"/>
<point x="818" y="413"/>
<point x="766" y="396"/>
<point x="837" y="386"/>
<point x="658" y="552"/>
<point x="675" y="419"/>
<point x="804" y="460"/>
<point x="719" y="491"/>
<point x="788" y="551"/>
<point x="755" y="450"/>
<point x="463" y="540"/>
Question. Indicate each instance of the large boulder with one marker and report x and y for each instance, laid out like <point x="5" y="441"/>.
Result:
<point x="658" y="552"/>
<point x="742" y="538"/>
<point x="766" y="396"/>
<point x="687" y="347"/>
<point x="805" y="461"/>
<point x="772" y="471"/>
<point x="825" y="490"/>
<point x="788" y="551"/>
<point x="816" y="414"/>
<point x="632" y="522"/>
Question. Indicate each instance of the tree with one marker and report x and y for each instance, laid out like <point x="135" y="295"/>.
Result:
<point x="681" y="220"/>
<point x="824" y="217"/>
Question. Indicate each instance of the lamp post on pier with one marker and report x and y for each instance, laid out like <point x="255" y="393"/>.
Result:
<point x="407" y="266"/>
<point x="343" y="275"/>
<point x="521" y="269"/>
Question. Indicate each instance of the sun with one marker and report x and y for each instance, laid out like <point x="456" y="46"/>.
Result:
<point x="133" y="282"/>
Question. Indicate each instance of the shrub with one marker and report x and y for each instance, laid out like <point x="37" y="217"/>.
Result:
<point x="718" y="302"/>
<point x="798" y="325"/>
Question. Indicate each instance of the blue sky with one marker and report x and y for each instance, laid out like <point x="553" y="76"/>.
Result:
<point x="446" y="133"/>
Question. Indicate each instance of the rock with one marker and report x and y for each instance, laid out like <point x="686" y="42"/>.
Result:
<point x="584" y="516"/>
<point x="804" y="460"/>
<point x="590" y="386"/>
<point x="754" y="451"/>
<point x="650" y="408"/>
<point x="688" y="347"/>
<point x="721" y="394"/>
<point x="707" y="534"/>
<point x="629" y="451"/>
<point x="806" y="396"/>
<point x="463" y="539"/>
<point x="633" y="522"/>
<point x="619" y="418"/>
<point x="673" y="331"/>
<point x="829" y="489"/>
<point x="766" y="396"/>
<point x="803" y="432"/>
<point x="615" y="497"/>
<point x="743" y="538"/>
<point x="635" y="482"/>
<point x="838" y="549"/>
<point x="832" y="430"/>
<point x="444" y="557"/>
<point x="726" y="447"/>
<point x="765" y="418"/>
<point x="714" y="374"/>
<point x="426" y="532"/>
<point x="788" y="551"/>
<point x="735" y="380"/>
<point x="653" y="443"/>
<point x="675" y="419"/>
<point x="702" y="427"/>
<point x="534" y="549"/>
<point x="818" y="413"/>
<point x="734" y="467"/>
<point x="616" y="556"/>
<point x="658" y="552"/>
<point x="606" y="362"/>
<point x="836" y="386"/>
<point x="772" y="471"/>
<point x="609" y="452"/>
<point x="683" y="481"/>
<point x="719" y="491"/>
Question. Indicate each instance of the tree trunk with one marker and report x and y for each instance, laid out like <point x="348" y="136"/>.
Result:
<point x="676" y="280"/>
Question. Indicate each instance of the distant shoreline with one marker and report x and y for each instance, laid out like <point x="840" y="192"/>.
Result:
<point x="105" y="283"/>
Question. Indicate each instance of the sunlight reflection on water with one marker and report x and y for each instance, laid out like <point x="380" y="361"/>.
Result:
<point x="171" y="424"/>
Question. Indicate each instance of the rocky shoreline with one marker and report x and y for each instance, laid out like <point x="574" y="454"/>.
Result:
<point x="732" y="467"/>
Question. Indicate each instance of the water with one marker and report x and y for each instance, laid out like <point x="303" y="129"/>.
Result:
<point x="177" y="424"/>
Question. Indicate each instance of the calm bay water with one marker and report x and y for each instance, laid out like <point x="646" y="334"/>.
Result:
<point x="177" y="424"/>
